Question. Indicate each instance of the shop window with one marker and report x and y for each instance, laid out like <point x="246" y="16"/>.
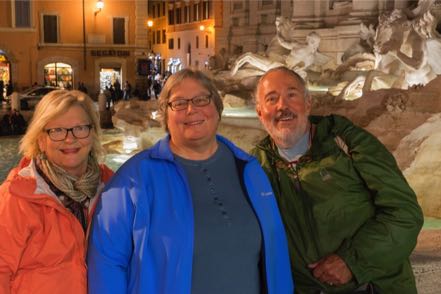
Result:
<point x="109" y="76"/>
<point x="206" y="9"/>
<point x="50" y="28"/>
<point x="164" y="37"/>
<point x="22" y="13"/>
<point x="119" y="30"/>
<point x="58" y="75"/>
<point x="4" y="69"/>
<point x="171" y="43"/>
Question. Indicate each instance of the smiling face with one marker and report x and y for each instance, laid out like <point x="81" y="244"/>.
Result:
<point x="193" y="127"/>
<point x="283" y="108"/>
<point x="71" y="154"/>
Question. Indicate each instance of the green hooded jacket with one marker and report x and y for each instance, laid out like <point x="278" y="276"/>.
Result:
<point x="355" y="203"/>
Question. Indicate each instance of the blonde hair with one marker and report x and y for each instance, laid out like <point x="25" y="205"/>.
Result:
<point x="175" y="79"/>
<point x="53" y="105"/>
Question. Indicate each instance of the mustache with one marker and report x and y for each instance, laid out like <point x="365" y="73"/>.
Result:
<point x="285" y="113"/>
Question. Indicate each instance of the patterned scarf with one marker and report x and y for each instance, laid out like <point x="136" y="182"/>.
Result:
<point x="74" y="193"/>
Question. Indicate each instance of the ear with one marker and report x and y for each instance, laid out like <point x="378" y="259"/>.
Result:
<point x="42" y="143"/>
<point x="258" y="110"/>
<point x="308" y="104"/>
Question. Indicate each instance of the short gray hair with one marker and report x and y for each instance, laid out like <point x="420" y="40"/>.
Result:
<point x="288" y="71"/>
<point x="53" y="105"/>
<point x="175" y="79"/>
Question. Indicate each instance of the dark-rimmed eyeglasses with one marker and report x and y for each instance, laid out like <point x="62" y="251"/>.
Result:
<point x="182" y="104"/>
<point x="59" y="134"/>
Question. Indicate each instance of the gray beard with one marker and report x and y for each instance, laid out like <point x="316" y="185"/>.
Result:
<point x="285" y="138"/>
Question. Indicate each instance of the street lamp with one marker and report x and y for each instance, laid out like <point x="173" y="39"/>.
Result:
<point x="99" y="6"/>
<point x="149" y="23"/>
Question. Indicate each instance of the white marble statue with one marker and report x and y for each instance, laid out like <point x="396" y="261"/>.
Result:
<point x="401" y="46"/>
<point x="364" y="46"/>
<point x="300" y="57"/>
<point x="407" y="53"/>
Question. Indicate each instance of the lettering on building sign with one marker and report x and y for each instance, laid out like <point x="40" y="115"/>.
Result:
<point x="119" y="53"/>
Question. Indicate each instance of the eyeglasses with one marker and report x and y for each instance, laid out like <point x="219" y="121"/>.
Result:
<point x="182" y="104"/>
<point x="59" y="134"/>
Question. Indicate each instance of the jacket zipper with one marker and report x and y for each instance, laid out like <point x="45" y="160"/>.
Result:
<point x="307" y="209"/>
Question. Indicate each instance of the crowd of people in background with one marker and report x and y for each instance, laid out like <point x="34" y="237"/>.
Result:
<point x="154" y="83"/>
<point x="12" y="123"/>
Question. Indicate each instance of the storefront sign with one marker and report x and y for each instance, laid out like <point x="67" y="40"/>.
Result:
<point x="119" y="53"/>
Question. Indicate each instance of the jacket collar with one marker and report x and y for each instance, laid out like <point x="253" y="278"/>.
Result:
<point x="161" y="150"/>
<point x="27" y="183"/>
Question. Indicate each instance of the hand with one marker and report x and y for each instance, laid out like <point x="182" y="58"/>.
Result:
<point x="331" y="270"/>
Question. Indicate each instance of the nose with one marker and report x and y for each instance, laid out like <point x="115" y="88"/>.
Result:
<point x="70" y="136"/>
<point x="282" y="102"/>
<point x="190" y="107"/>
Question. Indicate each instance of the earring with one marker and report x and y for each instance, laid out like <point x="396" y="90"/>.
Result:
<point x="42" y="155"/>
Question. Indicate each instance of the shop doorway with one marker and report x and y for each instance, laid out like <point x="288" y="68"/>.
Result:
<point x="58" y="74"/>
<point x="108" y="77"/>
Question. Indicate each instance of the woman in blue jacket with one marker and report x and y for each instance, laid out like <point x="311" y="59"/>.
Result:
<point x="193" y="214"/>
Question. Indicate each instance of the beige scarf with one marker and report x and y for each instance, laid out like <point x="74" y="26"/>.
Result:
<point x="78" y="189"/>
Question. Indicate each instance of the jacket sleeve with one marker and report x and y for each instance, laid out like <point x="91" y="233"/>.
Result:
<point x="14" y="234"/>
<point x="110" y="242"/>
<point x="385" y="241"/>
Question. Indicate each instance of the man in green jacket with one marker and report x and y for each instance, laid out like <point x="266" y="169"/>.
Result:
<point x="350" y="216"/>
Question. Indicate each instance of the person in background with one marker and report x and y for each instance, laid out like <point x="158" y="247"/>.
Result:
<point x="157" y="85"/>
<point x="117" y="90"/>
<point x="193" y="214"/>
<point x="351" y="218"/>
<point x="9" y="88"/>
<point x="18" y="123"/>
<point x="6" y="123"/>
<point x="82" y="87"/>
<point x="47" y="201"/>
<point x="108" y="93"/>
<point x="127" y="90"/>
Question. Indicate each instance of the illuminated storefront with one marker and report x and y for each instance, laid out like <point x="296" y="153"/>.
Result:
<point x="5" y="68"/>
<point x="58" y="75"/>
<point x="109" y="76"/>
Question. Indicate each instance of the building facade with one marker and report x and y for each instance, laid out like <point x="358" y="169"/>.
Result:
<point x="184" y="32"/>
<point x="63" y="43"/>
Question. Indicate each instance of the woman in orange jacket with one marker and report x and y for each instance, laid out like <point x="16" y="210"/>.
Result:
<point x="47" y="201"/>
